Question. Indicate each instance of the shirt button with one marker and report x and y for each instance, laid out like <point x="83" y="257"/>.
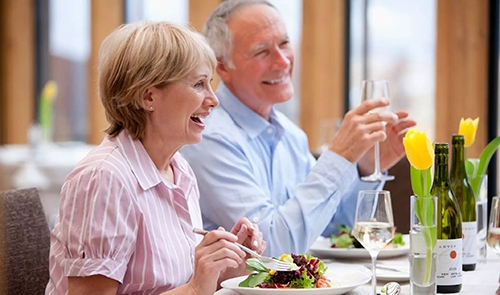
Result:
<point x="255" y="219"/>
<point x="269" y="130"/>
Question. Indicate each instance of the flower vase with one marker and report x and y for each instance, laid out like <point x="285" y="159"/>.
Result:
<point x="423" y="230"/>
<point x="482" y="217"/>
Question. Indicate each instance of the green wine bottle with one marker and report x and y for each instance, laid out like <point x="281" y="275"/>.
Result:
<point x="449" y="226"/>
<point x="465" y="196"/>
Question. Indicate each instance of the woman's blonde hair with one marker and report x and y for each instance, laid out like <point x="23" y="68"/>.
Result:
<point x="140" y="55"/>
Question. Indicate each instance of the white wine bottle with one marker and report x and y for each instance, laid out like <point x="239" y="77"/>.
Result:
<point x="449" y="226"/>
<point x="466" y="200"/>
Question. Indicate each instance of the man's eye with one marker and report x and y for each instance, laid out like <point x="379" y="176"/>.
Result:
<point x="261" y="53"/>
<point x="285" y="43"/>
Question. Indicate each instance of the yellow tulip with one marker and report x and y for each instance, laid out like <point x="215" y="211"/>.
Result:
<point x="418" y="149"/>
<point x="468" y="128"/>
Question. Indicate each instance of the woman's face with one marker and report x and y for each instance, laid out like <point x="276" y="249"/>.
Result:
<point x="180" y="107"/>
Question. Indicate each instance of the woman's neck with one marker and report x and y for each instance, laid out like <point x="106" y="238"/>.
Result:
<point x="161" y="154"/>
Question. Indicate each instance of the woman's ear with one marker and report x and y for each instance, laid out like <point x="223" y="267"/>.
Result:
<point x="147" y="99"/>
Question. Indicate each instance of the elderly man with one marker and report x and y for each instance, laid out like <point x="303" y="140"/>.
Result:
<point x="254" y="162"/>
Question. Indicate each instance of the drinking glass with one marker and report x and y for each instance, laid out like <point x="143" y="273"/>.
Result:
<point x="370" y="90"/>
<point x="482" y="220"/>
<point x="373" y="224"/>
<point x="494" y="226"/>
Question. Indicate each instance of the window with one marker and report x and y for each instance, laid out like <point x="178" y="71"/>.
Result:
<point x="291" y="11"/>
<point x="396" y="41"/>
<point x="64" y="38"/>
<point x="157" y="10"/>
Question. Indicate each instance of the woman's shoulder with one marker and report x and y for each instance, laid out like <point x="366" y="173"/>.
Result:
<point x="104" y="159"/>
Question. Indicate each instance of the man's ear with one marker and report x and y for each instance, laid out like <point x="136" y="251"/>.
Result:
<point x="222" y="71"/>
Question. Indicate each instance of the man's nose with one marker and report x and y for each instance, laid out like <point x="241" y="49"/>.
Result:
<point x="280" y="60"/>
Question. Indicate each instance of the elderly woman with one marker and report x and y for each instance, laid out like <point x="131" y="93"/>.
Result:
<point x="127" y="213"/>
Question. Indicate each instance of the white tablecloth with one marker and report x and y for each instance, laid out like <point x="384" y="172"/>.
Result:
<point x="48" y="166"/>
<point x="482" y="281"/>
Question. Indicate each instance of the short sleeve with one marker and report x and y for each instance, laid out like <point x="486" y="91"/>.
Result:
<point x="98" y="224"/>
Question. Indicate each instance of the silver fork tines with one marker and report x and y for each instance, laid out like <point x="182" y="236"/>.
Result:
<point x="268" y="262"/>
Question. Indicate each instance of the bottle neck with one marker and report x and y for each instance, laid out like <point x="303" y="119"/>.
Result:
<point x="458" y="160"/>
<point x="441" y="170"/>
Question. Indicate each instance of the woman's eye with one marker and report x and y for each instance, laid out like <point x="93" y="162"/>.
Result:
<point x="199" y="85"/>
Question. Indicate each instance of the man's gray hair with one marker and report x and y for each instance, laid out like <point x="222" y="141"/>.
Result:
<point x="217" y="31"/>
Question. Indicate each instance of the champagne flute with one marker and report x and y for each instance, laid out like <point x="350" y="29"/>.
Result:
<point x="373" y="224"/>
<point x="494" y="226"/>
<point x="370" y="90"/>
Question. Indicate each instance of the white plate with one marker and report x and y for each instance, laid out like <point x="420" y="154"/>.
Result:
<point x="322" y="248"/>
<point x="344" y="282"/>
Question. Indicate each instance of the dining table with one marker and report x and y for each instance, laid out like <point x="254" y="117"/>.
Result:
<point x="484" y="280"/>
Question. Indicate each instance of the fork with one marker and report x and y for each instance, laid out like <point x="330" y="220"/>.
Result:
<point x="269" y="262"/>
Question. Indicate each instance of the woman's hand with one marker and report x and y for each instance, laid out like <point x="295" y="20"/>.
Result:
<point x="215" y="254"/>
<point x="248" y="235"/>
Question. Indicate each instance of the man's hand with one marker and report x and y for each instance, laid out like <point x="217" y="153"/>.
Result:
<point x="360" y="130"/>
<point x="391" y="149"/>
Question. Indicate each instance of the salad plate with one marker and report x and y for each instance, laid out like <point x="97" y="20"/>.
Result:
<point x="342" y="283"/>
<point x="322" y="247"/>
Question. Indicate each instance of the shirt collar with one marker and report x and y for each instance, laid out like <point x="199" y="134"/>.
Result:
<point x="145" y="170"/>
<point x="248" y="120"/>
<point x="139" y="161"/>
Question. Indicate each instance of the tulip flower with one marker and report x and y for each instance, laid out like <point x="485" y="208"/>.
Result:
<point x="476" y="167"/>
<point x="420" y="154"/>
<point x="47" y="98"/>
<point x="468" y="128"/>
<point x="418" y="149"/>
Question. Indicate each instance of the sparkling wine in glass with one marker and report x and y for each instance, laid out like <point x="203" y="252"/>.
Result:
<point x="371" y="89"/>
<point x="373" y="224"/>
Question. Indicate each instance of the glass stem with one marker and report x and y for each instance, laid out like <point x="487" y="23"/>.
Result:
<point x="377" y="158"/>
<point x="374" y="272"/>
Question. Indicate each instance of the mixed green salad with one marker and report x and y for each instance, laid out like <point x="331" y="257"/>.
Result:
<point x="308" y="274"/>
<point x="344" y="239"/>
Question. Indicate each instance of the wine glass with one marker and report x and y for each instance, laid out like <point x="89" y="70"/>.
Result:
<point x="373" y="224"/>
<point x="371" y="89"/>
<point x="494" y="226"/>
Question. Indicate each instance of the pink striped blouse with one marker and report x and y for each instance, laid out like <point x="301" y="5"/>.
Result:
<point x="119" y="218"/>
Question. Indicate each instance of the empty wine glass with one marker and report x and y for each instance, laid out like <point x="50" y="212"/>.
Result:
<point x="370" y="90"/>
<point x="373" y="224"/>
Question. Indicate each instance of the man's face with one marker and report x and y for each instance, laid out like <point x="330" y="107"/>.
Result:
<point x="262" y="58"/>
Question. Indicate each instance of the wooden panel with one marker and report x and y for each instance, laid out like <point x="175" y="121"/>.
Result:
<point x="106" y="16"/>
<point x="17" y="95"/>
<point x="461" y="77"/>
<point x="199" y="11"/>
<point x="322" y="64"/>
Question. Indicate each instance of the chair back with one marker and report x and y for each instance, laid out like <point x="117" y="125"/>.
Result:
<point x="24" y="243"/>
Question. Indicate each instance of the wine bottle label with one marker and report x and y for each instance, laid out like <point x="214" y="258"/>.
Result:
<point x="449" y="262"/>
<point x="469" y="248"/>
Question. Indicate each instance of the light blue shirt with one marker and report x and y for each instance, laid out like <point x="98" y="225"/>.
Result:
<point x="249" y="167"/>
